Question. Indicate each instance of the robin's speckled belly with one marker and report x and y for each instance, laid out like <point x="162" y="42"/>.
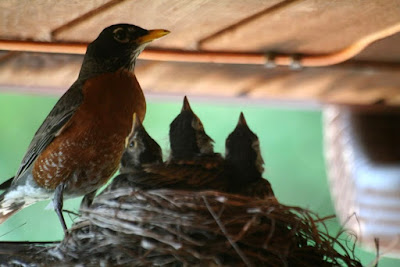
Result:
<point x="84" y="162"/>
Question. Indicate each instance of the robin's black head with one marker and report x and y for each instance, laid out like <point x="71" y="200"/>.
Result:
<point x="140" y="149"/>
<point x="117" y="47"/>
<point x="187" y="136"/>
<point x="242" y="151"/>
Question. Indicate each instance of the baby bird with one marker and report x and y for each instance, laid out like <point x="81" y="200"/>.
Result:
<point x="192" y="163"/>
<point x="141" y="150"/>
<point x="244" y="163"/>
<point x="187" y="137"/>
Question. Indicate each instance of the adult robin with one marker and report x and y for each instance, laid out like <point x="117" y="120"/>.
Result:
<point x="244" y="163"/>
<point x="79" y="145"/>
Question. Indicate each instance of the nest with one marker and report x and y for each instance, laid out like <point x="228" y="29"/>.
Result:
<point x="185" y="228"/>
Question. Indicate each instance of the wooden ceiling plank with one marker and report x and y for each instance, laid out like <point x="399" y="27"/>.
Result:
<point x="200" y="79"/>
<point x="20" y="20"/>
<point x="188" y="21"/>
<point x="268" y="11"/>
<point x="351" y="96"/>
<point x="353" y="89"/>
<point x="310" y="26"/>
<point x="84" y="17"/>
<point x="385" y="50"/>
<point x="303" y="84"/>
<point x="332" y="85"/>
<point x="55" y="73"/>
<point x="311" y="85"/>
<point x="40" y="70"/>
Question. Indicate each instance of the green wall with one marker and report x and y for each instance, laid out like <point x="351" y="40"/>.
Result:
<point x="291" y="142"/>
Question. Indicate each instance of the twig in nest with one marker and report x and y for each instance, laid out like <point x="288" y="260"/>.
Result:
<point x="221" y="226"/>
<point x="186" y="228"/>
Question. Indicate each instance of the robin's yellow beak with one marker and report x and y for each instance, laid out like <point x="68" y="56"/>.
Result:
<point x="151" y="35"/>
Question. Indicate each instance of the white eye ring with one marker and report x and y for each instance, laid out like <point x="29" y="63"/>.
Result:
<point x="121" y="35"/>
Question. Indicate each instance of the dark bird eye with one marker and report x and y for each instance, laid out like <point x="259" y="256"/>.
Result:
<point x="121" y="35"/>
<point x="133" y="144"/>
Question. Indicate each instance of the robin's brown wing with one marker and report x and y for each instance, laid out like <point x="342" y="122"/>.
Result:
<point x="6" y="184"/>
<point x="57" y="118"/>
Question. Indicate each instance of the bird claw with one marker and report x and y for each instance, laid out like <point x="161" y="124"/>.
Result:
<point x="58" y="202"/>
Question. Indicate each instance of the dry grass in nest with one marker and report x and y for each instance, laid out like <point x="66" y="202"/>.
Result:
<point x="185" y="228"/>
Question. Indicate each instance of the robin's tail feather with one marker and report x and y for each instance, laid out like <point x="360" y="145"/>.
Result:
<point x="7" y="184"/>
<point x="9" y="207"/>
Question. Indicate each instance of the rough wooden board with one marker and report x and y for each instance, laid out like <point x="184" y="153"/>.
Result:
<point x="385" y="50"/>
<point x="53" y="74"/>
<point x="35" y="19"/>
<point x="335" y="85"/>
<point x="310" y="26"/>
<point x="58" y="72"/>
<point x="40" y="70"/>
<point x="292" y="85"/>
<point x="187" y="20"/>
<point x="201" y="79"/>
<point x="43" y="73"/>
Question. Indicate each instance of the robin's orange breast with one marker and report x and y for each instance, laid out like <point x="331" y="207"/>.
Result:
<point x="87" y="150"/>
